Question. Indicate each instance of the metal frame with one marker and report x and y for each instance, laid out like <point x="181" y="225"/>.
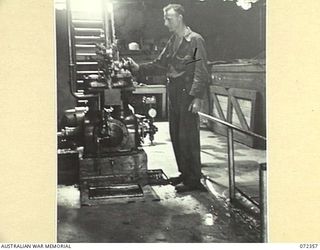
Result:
<point x="233" y="190"/>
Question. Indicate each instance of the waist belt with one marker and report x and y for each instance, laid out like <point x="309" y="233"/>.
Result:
<point x="182" y="79"/>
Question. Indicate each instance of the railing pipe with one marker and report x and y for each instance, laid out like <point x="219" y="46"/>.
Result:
<point x="231" y="165"/>
<point x="72" y="63"/>
<point x="231" y="170"/>
<point x="263" y="202"/>
<point x="231" y="126"/>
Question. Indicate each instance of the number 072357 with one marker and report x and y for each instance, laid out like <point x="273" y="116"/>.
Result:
<point x="310" y="246"/>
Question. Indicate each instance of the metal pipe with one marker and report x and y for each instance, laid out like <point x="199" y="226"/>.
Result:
<point x="247" y="197"/>
<point x="231" y="165"/>
<point x="231" y="170"/>
<point x="72" y="64"/>
<point x="70" y="41"/>
<point x="246" y="203"/>
<point x="263" y="202"/>
<point x="106" y="25"/>
<point x="111" y="15"/>
<point x="230" y="125"/>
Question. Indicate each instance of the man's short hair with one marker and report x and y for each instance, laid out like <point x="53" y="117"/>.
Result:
<point x="176" y="7"/>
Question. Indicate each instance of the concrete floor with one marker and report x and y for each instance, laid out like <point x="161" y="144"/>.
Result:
<point x="183" y="218"/>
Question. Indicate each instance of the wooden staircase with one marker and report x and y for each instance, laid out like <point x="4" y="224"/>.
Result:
<point x="87" y="30"/>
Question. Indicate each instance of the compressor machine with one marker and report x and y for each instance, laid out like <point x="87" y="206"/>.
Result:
<point x="104" y="129"/>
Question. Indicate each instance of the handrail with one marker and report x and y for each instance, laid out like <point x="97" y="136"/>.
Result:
<point x="232" y="126"/>
<point x="231" y="171"/>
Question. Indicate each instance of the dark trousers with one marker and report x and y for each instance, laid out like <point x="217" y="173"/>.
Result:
<point x="184" y="133"/>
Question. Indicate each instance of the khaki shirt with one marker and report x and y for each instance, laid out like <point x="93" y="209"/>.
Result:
<point x="184" y="60"/>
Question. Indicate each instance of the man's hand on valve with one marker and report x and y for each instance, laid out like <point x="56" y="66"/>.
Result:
<point x="134" y="66"/>
<point x="195" y="105"/>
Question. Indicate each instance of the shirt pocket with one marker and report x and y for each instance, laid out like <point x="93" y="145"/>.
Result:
<point x="184" y="57"/>
<point x="184" y="62"/>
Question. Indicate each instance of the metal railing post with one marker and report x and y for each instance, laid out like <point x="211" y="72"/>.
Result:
<point x="231" y="164"/>
<point x="263" y="202"/>
<point x="230" y="153"/>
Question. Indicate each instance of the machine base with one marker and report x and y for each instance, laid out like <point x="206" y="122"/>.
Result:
<point x="113" y="176"/>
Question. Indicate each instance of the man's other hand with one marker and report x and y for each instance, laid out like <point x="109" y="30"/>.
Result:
<point x="195" y="105"/>
<point x="134" y="66"/>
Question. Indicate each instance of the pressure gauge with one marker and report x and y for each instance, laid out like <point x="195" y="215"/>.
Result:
<point x="152" y="113"/>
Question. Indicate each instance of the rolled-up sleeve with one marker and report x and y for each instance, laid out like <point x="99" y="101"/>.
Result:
<point x="201" y="75"/>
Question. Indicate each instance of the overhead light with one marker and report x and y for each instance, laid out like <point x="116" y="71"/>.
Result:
<point x="244" y="4"/>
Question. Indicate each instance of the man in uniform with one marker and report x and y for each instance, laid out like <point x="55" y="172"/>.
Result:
<point x="184" y="60"/>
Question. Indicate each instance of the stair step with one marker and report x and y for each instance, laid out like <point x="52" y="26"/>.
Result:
<point x="85" y="46"/>
<point x="87" y="21"/>
<point x="87" y="66"/>
<point x="86" y="59"/>
<point x="89" y="72"/>
<point x="88" y="50"/>
<point x="86" y="15"/>
<point x="89" y="37"/>
<point x="86" y="54"/>
<point x="82" y="95"/>
<point x="88" y="32"/>
<point x="87" y="63"/>
<point x="89" y="29"/>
